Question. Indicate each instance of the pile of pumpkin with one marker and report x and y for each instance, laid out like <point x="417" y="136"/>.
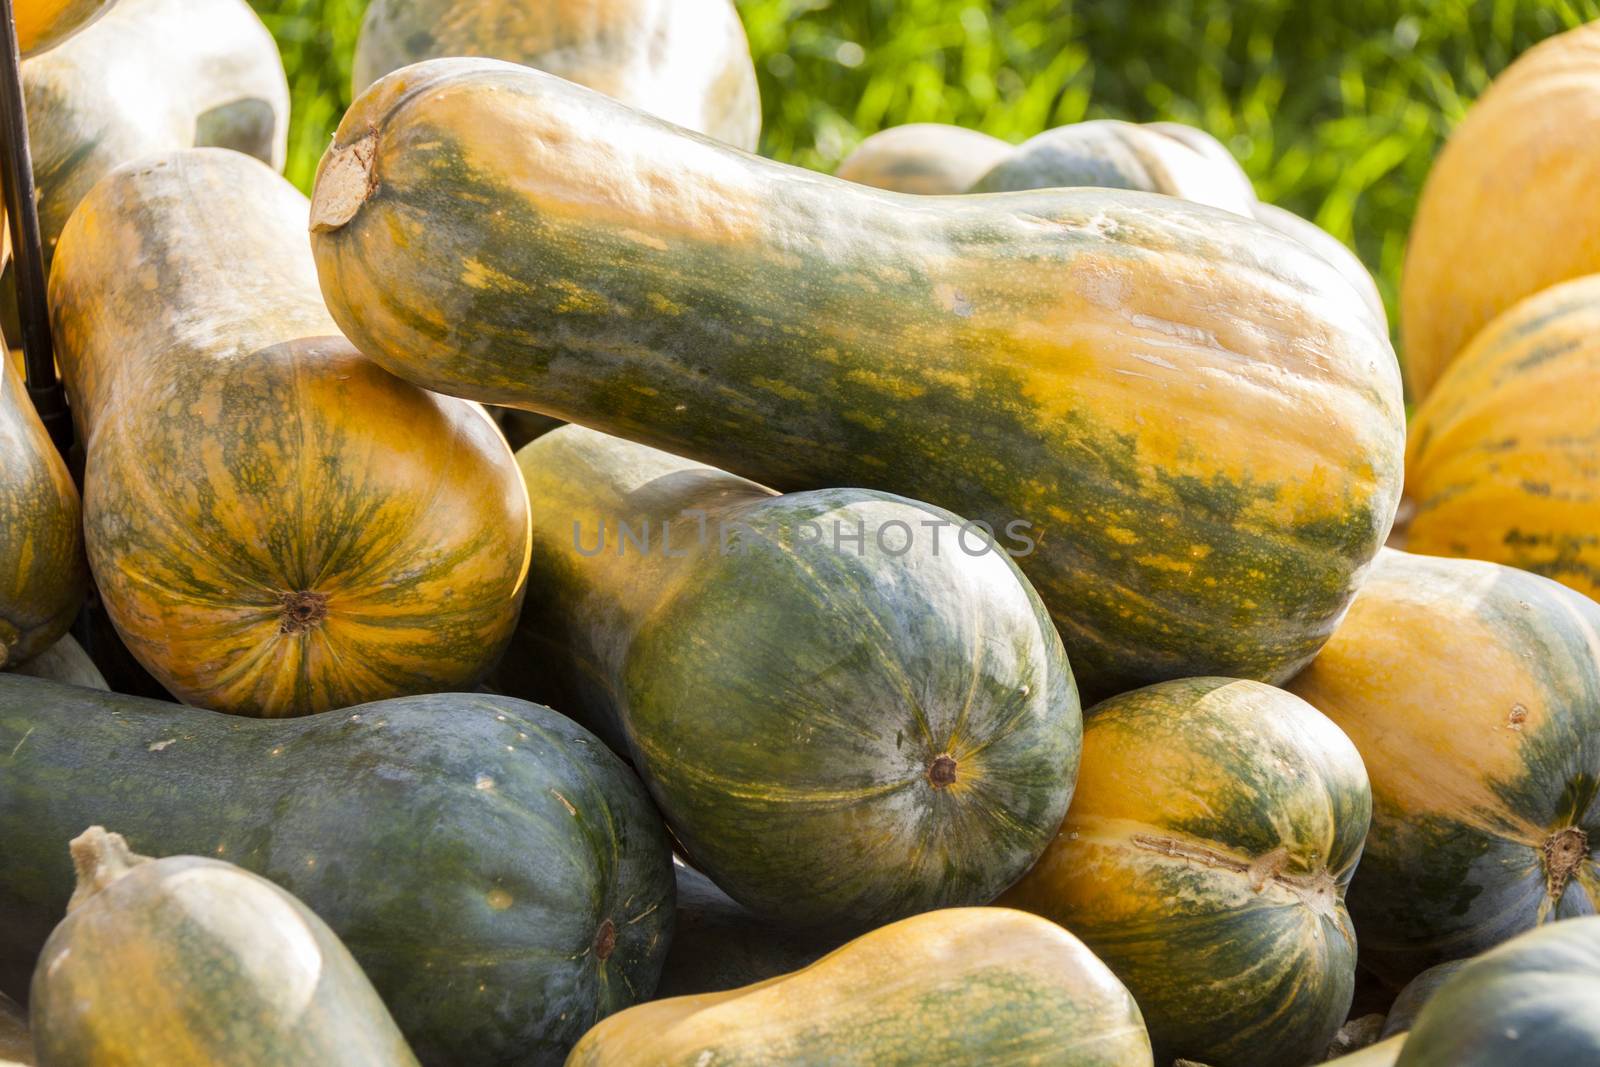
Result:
<point x="817" y="787"/>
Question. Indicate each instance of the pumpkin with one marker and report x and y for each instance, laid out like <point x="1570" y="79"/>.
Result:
<point x="1472" y="691"/>
<point x="320" y="532"/>
<point x="1119" y="155"/>
<point x="1417" y="992"/>
<point x="1509" y="207"/>
<point x="43" y="24"/>
<point x="499" y="875"/>
<point x="685" y="60"/>
<point x="718" y="945"/>
<point x="1204" y="859"/>
<point x="1330" y="248"/>
<point x="153" y="76"/>
<point x="1530" y="1002"/>
<point x="1193" y="419"/>
<point x="16" y="1046"/>
<point x="42" y="573"/>
<point x="65" y="661"/>
<point x="192" y="962"/>
<point x="927" y="158"/>
<point x="900" y="716"/>
<point x="1504" y="456"/>
<point x="1382" y="1054"/>
<point x="963" y="985"/>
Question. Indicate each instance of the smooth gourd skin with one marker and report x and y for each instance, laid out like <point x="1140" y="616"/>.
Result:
<point x="1472" y="691"/>
<point x="927" y="158"/>
<point x="16" y="1046"/>
<point x="1205" y="858"/>
<point x="42" y="573"/>
<point x="686" y="61"/>
<point x="1417" y="992"/>
<point x="43" y="24"/>
<point x="1504" y="456"/>
<point x="837" y="736"/>
<point x="964" y="985"/>
<point x="1532" y="1002"/>
<point x="1509" y="207"/>
<point x="1197" y="417"/>
<point x="66" y="662"/>
<point x="1382" y="1054"/>
<point x="475" y="853"/>
<point x="1330" y="248"/>
<point x="277" y="526"/>
<point x="153" y="77"/>
<point x="192" y="962"/>
<point x="1119" y="155"/>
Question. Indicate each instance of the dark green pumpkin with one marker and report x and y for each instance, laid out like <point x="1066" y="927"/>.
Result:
<point x="1532" y="1002"/>
<point x="498" y="874"/>
<point x="838" y="734"/>
<point x="1417" y="992"/>
<point x="189" y="961"/>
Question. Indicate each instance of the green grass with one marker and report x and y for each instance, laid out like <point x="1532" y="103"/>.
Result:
<point x="1336" y="110"/>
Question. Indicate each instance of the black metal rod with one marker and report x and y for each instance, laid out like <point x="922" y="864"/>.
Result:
<point x="27" y="251"/>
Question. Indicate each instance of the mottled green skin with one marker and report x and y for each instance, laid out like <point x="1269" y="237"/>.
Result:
<point x="192" y="962"/>
<point x="401" y="823"/>
<point x="1533" y="1002"/>
<point x="776" y="362"/>
<point x="785" y="702"/>
<point x="717" y="944"/>
<point x="1417" y="992"/>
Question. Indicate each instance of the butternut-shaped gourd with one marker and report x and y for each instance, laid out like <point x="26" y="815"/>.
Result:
<point x="1509" y="207"/>
<point x="152" y="77"/>
<point x="927" y="158"/>
<point x="685" y="60"/>
<point x="1196" y="418"/>
<point x="193" y="962"/>
<point x="964" y="985"/>
<point x="277" y="526"/>
<point x="43" y="24"/>
<point x="1503" y="461"/>
<point x="1205" y="857"/>
<point x="1472" y="691"/>
<point x="42" y="572"/>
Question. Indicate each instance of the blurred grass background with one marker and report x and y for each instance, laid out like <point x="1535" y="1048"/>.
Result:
<point x="1336" y="110"/>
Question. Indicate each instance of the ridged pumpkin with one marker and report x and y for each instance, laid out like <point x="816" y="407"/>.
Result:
<point x="276" y="525"/>
<point x="839" y="735"/>
<point x="1204" y="859"/>
<point x="1504" y="456"/>
<point x="1472" y="691"/>
<point x="192" y="962"/>
<point x="1120" y="155"/>
<point x="927" y="158"/>
<point x="1532" y="1002"/>
<point x="963" y="986"/>
<point x="1196" y="418"/>
<point x="1329" y="248"/>
<point x="42" y="571"/>
<point x="16" y="1046"/>
<point x="67" y="662"/>
<point x="1417" y="992"/>
<point x="152" y="77"/>
<point x="43" y="24"/>
<point x="686" y="61"/>
<point x="1509" y="207"/>
<point x="499" y="875"/>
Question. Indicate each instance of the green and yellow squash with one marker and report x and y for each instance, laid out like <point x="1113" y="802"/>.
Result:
<point x="1472" y="691"/>
<point x="16" y="1046"/>
<point x="984" y="986"/>
<point x="1205" y="858"/>
<point x="152" y="77"/>
<point x="842" y="723"/>
<point x="1504" y="456"/>
<point x="276" y="525"/>
<point x="717" y="944"/>
<point x="43" y="24"/>
<point x="42" y="572"/>
<point x="686" y="61"/>
<point x="1120" y="155"/>
<point x="1194" y="419"/>
<point x="1330" y="248"/>
<point x="1417" y="992"/>
<point x="499" y="875"/>
<point x="1532" y="1002"/>
<point x="189" y="961"/>
<point x="1509" y="208"/>
<point x="67" y="662"/>
<point x="926" y="158"/>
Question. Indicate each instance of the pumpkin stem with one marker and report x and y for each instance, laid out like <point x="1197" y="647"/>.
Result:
<point x="100" y="858"/>
<point x="346" y="181"/>
<point x="605" y="940"/>
<point x="942" y="771"/>
<point x="1564" y="852"/>
<point x="302" y="611"/>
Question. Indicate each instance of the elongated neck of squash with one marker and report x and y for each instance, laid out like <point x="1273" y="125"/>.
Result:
<point x="100" y="858"/>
